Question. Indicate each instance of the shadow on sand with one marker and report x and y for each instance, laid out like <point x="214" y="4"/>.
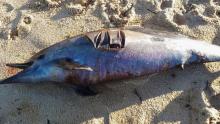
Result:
<point x="59" y="104"/>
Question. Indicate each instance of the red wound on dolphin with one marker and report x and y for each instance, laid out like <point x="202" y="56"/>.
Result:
<point x="110" y="39"/>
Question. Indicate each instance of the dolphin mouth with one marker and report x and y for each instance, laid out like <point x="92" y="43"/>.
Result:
<point x="25" y="76"/>
<point x="9" y="80"/>
<point x="18" y="78"/>
<point x="20" y="65"/>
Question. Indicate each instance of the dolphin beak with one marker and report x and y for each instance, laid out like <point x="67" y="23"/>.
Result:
<point x="28" y="75"/>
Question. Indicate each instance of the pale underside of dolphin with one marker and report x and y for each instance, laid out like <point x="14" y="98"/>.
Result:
<point x="112" y="54"/>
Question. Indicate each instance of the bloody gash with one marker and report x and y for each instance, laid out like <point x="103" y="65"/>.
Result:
<point x="111" y="54"/>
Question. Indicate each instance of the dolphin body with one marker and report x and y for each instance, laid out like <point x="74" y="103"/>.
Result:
<point x="111" y="54"/>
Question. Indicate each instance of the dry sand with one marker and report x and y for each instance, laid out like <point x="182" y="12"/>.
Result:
<point x="189" y="96"/>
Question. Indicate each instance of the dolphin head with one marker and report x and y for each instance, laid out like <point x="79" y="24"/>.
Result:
<point x="57" y="70"/>
<point x="36" y="74"/>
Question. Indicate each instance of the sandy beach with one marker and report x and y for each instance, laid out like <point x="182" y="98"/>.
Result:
<point x="189" y="96"/>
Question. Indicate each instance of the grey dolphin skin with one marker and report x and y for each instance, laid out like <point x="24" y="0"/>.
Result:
<point x="111" y="54"/>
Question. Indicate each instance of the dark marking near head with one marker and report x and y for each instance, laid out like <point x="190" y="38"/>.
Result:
<point x="66" y="63"/>
<point x="40" y="57"/>
<point x="20" y="65"/>
<point x="160" y="39"/>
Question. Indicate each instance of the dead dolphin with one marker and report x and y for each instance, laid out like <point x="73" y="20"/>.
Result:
<point x="111" y="54"/>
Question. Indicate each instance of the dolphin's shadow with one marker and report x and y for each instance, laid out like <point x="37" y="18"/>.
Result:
<point x="199" y="76"/>
<point x="191" y="83"/>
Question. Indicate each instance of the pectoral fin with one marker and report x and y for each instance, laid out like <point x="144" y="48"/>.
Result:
<point x="72" y="65"/>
